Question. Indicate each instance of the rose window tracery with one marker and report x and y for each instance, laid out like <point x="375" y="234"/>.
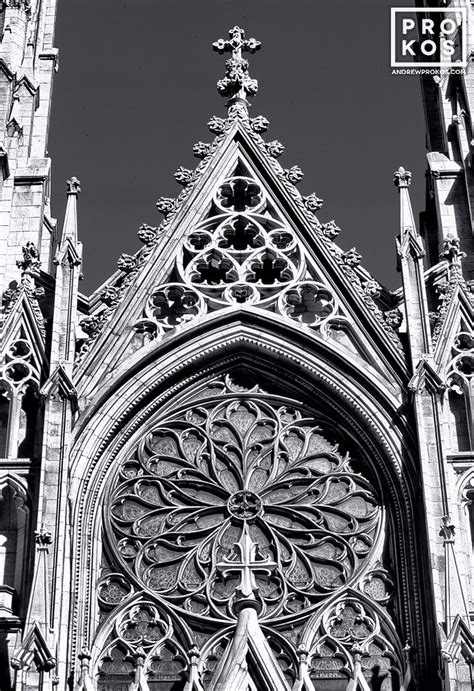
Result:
<point x="234" y="466"/>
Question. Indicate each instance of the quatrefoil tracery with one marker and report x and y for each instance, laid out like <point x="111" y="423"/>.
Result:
<point x="242" y="254"/>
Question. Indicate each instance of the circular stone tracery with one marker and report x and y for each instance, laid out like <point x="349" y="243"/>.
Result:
<point x="231" y="462"/>
<point x="244" y="505"/>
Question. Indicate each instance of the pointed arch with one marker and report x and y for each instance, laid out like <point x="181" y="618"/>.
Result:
<point x="162" y="381"/>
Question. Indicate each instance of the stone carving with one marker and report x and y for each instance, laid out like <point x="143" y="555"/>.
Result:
<point x="294" y="174"/>
<point x="91" y="325"/>
<point x="216" y="125"/>
<point x="220" y="470"/>
<point x="165" y="205"/>
<point x="183" y="175"/>
<point x="30" y="271"/>
<point x="73" y="186"/>
<point x="259" y="124"/>
<point x="110" y="296"/>
<point x="402" y="177"/>
<point x="330" y="230"/>
<point x="30" y="262"/>
<point x="394" y="318"/>
<point x="237" y="82"/>
<point x="275" y="148"/>
<point x="372" y="288"/>
<point x="126" y="263"/>
<point x="351" y="257"/>
<point x="43" y="538"/>
<point x="147" y="234"/>
<point x="312" y="202"/>
<point x="201" y="149"/>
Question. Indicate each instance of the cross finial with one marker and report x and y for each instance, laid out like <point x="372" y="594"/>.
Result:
<point x="236" y="43"/>
<point x="237" y="83"/>
<point x="246" y="560"/>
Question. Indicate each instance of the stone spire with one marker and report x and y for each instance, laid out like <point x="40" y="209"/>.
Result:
<point x="237" y="84"/>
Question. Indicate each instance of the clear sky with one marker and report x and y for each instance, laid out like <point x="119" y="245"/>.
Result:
<point x="137" y="85"/>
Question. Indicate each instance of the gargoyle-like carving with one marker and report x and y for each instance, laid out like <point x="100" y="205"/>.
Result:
<point x="351" y="257"/>
<point x="183" y="175"/>
<point x="294" y="174"/>
<point x="165" y="205"/>
<point x="91" y="325"/>
<point x="312" y="202"/>
<point x="330" y="230"/>
<point x="147" y="234"/>
<point x="110" y="295"/>
<point x="126" y="263"/>
<point x="372" y="288"/>
<point x="394" y="318"/>
<point x="259" y="124"/>
<point x="275" y="148"/>
<point x="216" y="125"/>
<point x="201" y="149"/>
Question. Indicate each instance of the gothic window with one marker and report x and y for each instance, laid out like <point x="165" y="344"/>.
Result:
<point x="460" y="398"/>
<point x="13" y="527"/>
<point x="4" y="415"/>
<point x="234" y="465"/>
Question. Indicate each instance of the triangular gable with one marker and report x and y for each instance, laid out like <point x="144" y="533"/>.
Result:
<point x="24" y="325"/>
<point x="311" y="263"/>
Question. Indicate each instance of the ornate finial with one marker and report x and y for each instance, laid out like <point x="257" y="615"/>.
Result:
<point x="447" y="529"/>
<point x="453" y="255"/>
<point x="73" y="186"/>
<point x="237" y="83"/>
<point x="30" y="262"/>
<point x="43" y="537"/>
<point x="402" y="178"/>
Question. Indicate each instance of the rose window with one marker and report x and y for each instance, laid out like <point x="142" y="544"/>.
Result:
<point x="233" y="466"/>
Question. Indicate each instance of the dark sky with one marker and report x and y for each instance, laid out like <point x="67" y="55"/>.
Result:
<point x="136" y="87"/>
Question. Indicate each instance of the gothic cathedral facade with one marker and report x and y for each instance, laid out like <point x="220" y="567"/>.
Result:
<point x="242" y="464"/>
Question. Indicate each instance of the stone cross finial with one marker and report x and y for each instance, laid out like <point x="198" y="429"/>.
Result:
<point x="236" y="43"/>
<point x="237" y="83"/>
<point x="73" y="186"/>
<point x="246" y="561"/>
<point x="402" y="177"/>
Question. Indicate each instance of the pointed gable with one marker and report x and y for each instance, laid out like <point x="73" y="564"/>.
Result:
<point x="240" y="236"/>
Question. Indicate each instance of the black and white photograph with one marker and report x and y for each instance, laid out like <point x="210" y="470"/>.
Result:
<point x="236" y="345"/>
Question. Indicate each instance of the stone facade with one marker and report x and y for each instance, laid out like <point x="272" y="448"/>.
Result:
<point x="242" y="463"/>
